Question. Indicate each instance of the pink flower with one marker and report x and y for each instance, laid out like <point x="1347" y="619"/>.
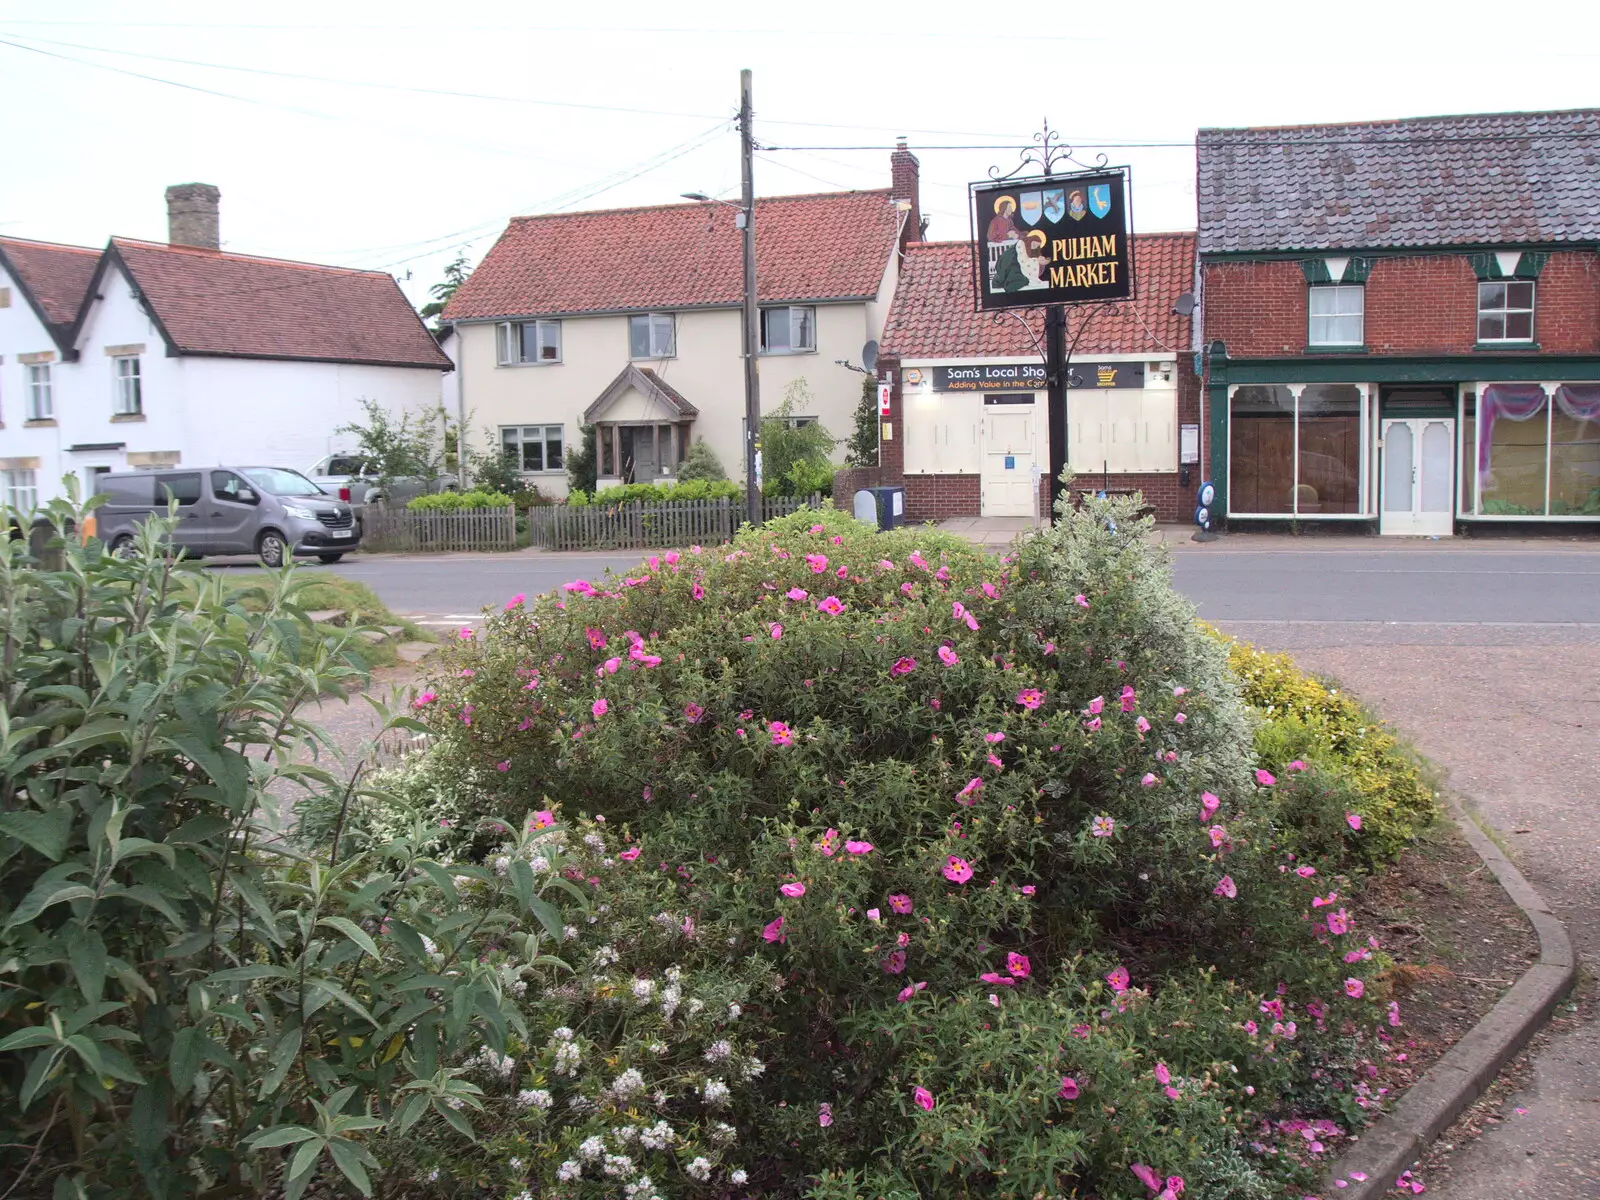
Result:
<point x="1149" y="780"/>
<point x="833" y="606"/>
<point x="610" y="666"/>
<point x="1209" y="804"/>
<point x="1353" y="820"/>
<point x="692" y="713"/>
<point x="1265" y="778"/>
<point x="1339" y="922"/>
<point x="774" y="932"/>
<point x="1218" y="835"/>
<point x="1097" y="706"/>
<point x="597" y="640"/>
<point x="1163" y="1076"/>
<point x="599" y="707"/>
<point x="1142" y="725"/>
<point x="782" y="735"/>
<point x="895" y="963"/>
<point x="519" y="598"/>
<point x="628" y="855"/>
<point x="957" y="870"/>
<point x="1018" y="965"/>
<point x="424" y="700"/>
<point x="903" y="666"/>
<point x="969" y="794"/>
<point x="997" y="978"/>
<point x="698" y="592"/>
<point x="910" y="990"/>
<point x="1180" y="718"/>
<point x="1146" y="1176"/>
<point x="1354" y="988"/>
<point x="1117" y="977"/>
<point x="1102" y="826"/>
<point x="797" y="594"/>
<point x="948" y="656"/>
<point x="900" y="903"/>
<point x="1394" y="1012"/>
<point x="858" y="847"/>
<point x="1226" y="887"/>
<point x="466" y="633"/>
<point x="824" y="1114"/>
<point x="503" y="766"/>
<point x="994" y="739"/>
<point x="793" y="890"/>
<point x="1081" y="600"/>
<point x="1127" y="699"/>
<point x="1305" y="872"/>
<point x="874" y="915"/>
<point x="817" y="562"/>
<point x="1092" y="724"/>
<point x="1030" y="698"/>
<point x="542" y="820"/>
<point x="907" y="588"/>
<point x="777" y="631"/>
<point x="885" y="565"/>
<point x="995" y="762"/>
<point x="1273" y="1008"/>
<point x="1297" y="765"/>
<point x="923" y="1098"/>
<point x="1069" y="1088"/>
<point x="1175" y="1185"/>
<point x="1251" y="1028"/>
<point x="828" y="843"/>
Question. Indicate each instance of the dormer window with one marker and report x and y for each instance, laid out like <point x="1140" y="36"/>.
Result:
<point x="1505" y="311"/>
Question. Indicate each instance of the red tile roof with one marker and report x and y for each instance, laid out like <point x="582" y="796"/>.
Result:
<point x="820" y="247"/>
<point x="932" y="315"/>
<point x="56" y="277"/>
<point x="212" y="303"/>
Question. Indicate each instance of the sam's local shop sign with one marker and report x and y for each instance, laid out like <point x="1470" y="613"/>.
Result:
<point x="983" y="376"/>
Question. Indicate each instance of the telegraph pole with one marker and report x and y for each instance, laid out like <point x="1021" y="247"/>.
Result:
<point x="752" y="314"/>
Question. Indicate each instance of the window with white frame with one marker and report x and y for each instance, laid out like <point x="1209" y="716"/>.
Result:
<point x="533" y="447"/>
<point x="127" y="399"/>
<point x="22" y="490"/>
<point x="41" y="397"/>
<point x="1336" y="315"/>
<point x="651" y="335"/>
<point x="528" y="343"/>
<point x="789" y="330"/>
<point x="1505" y="311"/>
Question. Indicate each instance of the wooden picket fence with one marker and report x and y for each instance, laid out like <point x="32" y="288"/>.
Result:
<point x="410" y="532"/>
<point x="646" y="524"/>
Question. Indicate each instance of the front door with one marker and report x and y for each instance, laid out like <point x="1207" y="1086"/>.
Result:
<point x="1007" y="471"/>
<point x="1418" y="477"/>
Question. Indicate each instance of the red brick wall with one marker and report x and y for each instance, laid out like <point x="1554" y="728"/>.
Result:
<point x="937" y="497"/>
<point x="1421" y="304"/>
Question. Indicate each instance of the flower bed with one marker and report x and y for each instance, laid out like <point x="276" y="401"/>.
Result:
<point x="908" y="872"/>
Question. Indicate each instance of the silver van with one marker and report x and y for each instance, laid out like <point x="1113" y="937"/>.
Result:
<point x="272" y="512"/>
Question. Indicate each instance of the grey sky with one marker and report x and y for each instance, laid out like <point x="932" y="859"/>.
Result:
<point x="393" y="178"/>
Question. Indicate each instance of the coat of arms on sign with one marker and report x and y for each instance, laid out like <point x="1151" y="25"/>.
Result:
<point x="1031" y="207"/>
<point x="1100" y="199"/>
<point x="1055" y="204"/>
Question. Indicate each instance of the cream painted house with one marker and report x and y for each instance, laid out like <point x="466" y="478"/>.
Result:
<point x="629" y="320"/>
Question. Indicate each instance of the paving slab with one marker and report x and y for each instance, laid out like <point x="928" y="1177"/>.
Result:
<point x="415" y="652"/>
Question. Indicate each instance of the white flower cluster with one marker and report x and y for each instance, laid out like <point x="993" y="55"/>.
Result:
<point x="595" y="842"/>
<point x="568" y="1171"/>
<point x="715" y="1092"/>
<point x="734" y="1012"/>
<point x="656" y="1137"/>
<point x="644" y="990"/>
<point x="534" y="1098"/>
<point x="753" y="1067"/>
<point x="719" y="1051"/>
<point x="642" y="1188"/>
<point x="723" y="1133"/>
<point x="591" y="1148"/>
<point x="738" y="1176"/>
<point x="502" y="864"/>
<point x="628" y="1084"/>
<point x="604" y="957"/>
<point x="568" y="1053"/>
<point x="671" y="997"/>
<point x="699" y="1168"/>
<point x="496" y="1064"/>
<point x="619" y="1165"/>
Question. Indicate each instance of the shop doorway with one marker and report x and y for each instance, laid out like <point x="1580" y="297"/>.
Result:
<point x="1417" y="474"/>
<point x="1008" y="458"/>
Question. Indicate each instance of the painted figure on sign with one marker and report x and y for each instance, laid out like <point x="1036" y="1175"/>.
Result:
<point x="1033" y="259"/>
<point x="1002" y="228"/>
<point x="1075" y="205"/>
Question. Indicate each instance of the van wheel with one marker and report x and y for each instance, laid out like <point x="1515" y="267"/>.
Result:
<point x="122" y="547"/>
<point x="331" y="558"/>
<point x="272" y="549"/>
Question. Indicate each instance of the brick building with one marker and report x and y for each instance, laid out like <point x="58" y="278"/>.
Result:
<point x="1402" y="320"/>
<point x="967" y="431"/>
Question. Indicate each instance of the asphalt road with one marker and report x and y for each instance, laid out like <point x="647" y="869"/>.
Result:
<point x="1546" y="592"/>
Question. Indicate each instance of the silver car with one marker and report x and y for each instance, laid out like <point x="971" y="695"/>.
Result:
<point x="271" y="512"/>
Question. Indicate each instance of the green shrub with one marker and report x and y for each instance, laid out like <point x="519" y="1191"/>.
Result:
<point x="1308" y="721"/>
<point x="782" y="740"/>
<point x="192" y="1006"/>
<point x="658" y="493"/>
<point x="583" y="461"/>
<point x="455" y="501"/>
<point x="785" y="444"/>
<point x="700" y="463"/>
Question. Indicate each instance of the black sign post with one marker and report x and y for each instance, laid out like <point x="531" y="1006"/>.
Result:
<point x="1053" y="240"/>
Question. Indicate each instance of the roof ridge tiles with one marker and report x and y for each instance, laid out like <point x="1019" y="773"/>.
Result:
<point x="1375" y="122"/>
<point x="238" y="257"/>
<point x="696" y="204"/>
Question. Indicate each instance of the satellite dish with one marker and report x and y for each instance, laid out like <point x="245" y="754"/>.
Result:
<point x="1184" y="304"/>
<point x="869" y="356"/>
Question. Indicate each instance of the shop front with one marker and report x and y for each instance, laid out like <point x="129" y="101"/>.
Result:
<point x="1408" y="448"/>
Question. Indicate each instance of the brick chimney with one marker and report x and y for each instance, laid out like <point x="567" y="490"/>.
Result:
<point x="905" y="185"/>
<point x="192" y="216"/>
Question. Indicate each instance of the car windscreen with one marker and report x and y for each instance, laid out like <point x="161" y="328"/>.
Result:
<point x="279" y="481"/>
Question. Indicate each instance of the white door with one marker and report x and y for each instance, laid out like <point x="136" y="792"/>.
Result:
<point x="1007" y="473"/>
<point x="1418" y="477"/>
